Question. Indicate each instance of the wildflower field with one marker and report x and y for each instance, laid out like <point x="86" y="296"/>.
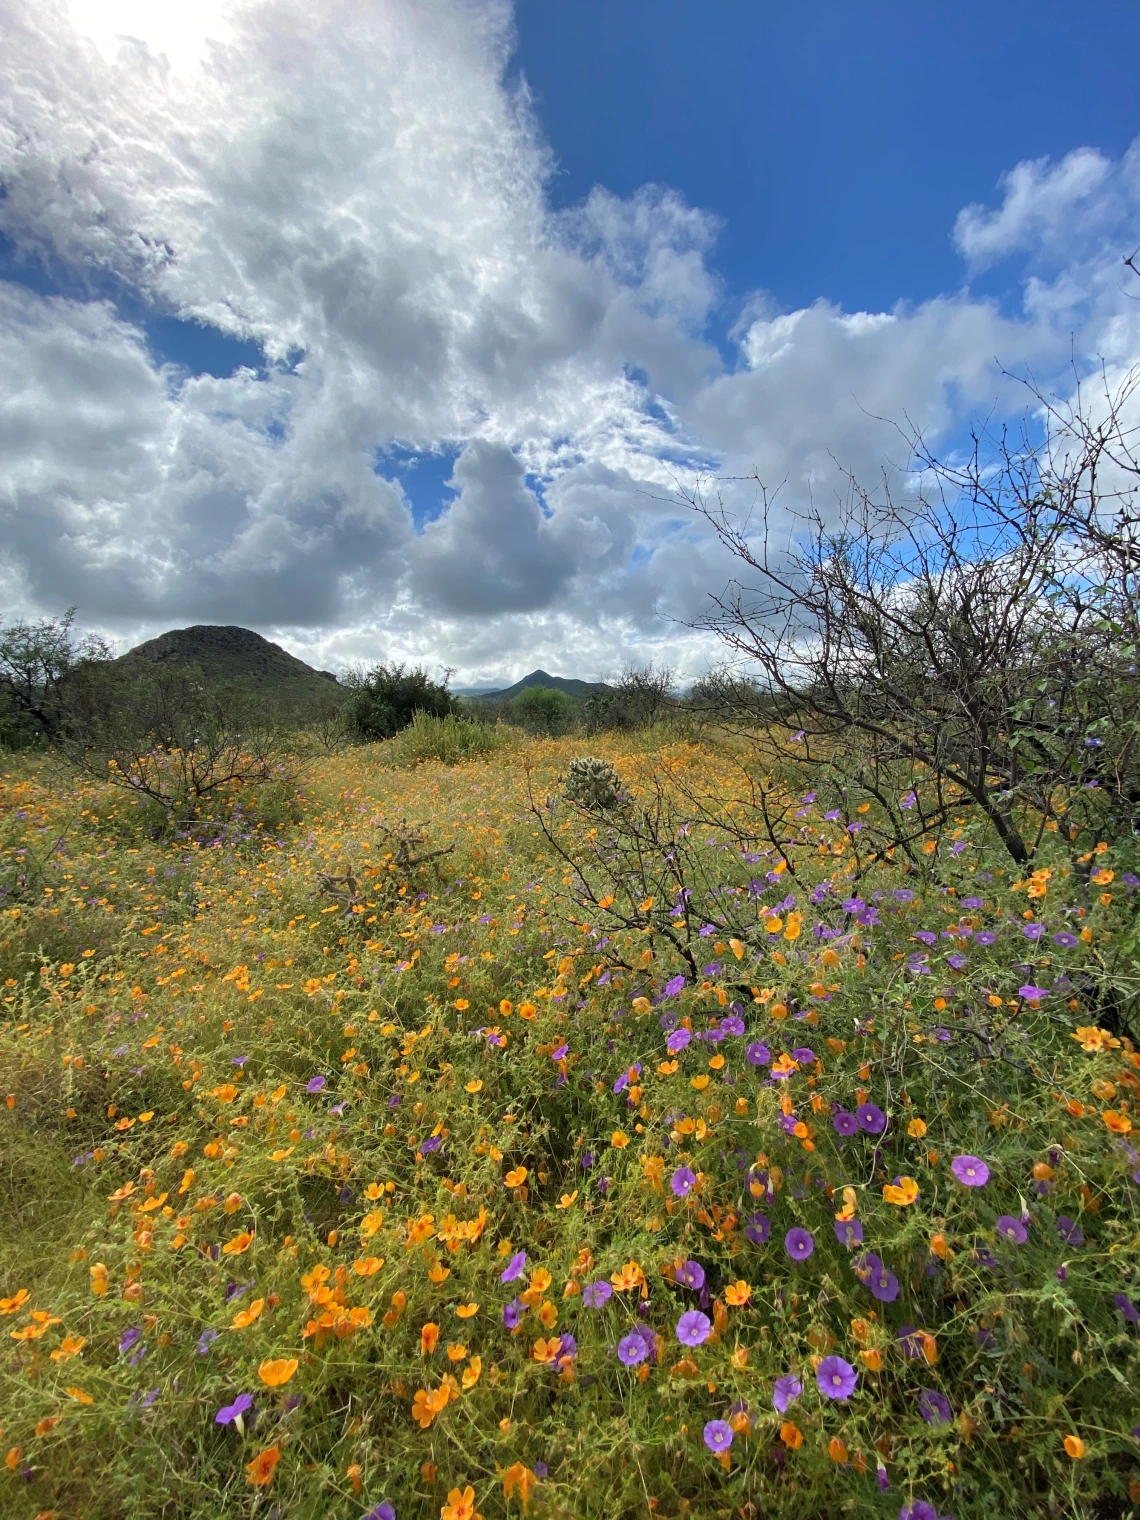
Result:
<point x="341" y="1177"/>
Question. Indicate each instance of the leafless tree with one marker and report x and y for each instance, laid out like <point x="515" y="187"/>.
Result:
<point x="968" y="644"/>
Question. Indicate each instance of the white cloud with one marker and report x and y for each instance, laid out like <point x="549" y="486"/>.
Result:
<point x="1040" y="199"/>
<point x="354" y="186"/>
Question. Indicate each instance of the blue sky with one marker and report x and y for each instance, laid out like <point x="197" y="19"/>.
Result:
<point x="310" y="322"/>
<point x="836" y="142"/>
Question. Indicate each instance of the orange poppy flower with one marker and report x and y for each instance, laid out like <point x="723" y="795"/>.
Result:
<point x="1119" y="1124"/>
<point x="460" y="1506"/>
<point x="791" y="1435"/>
<point x="365" y="1266"/>
<point x="1075" y="1447"/>
<point x="466" y="1311"/>
<point x="737" y="1293"/>
<point x="518" y="1479"/>
<point x="472" y="1372"/>
<point x="429" y="1339"/>
<point x="516" y="1177"/>
<point x="260" y="1471"/>
<point x="902" y="1193"/>
<point x="240" y="1243"/>
<point x="247" y="1316"/>
<point x="274" y="1372"/>
<point x="836" y="1450"/>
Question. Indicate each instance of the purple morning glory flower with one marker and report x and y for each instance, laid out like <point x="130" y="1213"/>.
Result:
<point x="1033" y="931"/>
<point x="514" y="1267"/>
<point x="129" y="1338"/>
<point x="1012" y="1229"/>
<point x="1127" y="1308"/>
<point x="1032" y="993"/>
<point x="234" y="1411"/>
<point x="314" y="1084"/>
<point x="677" y="1041"/>
<point x="787" y="1389"/>
<point x="848" y="1232"/>
<point x="206" y="1340"/>
<point x="803" y="1055"/>
<point x="919" y="1510"/>
<point x="758" y="1054"/>
<point x="691" y="1274"/>
<point x="432" y="1143"/>
<point x="693" y="1328"/>
<point x="758" y="1229"/>
<point x="513" y="1312"/>
<point x="1064" y="939"/>
<point x="970" y="1171"/>
<point x="560" y="1053"/>
<point x="836" y="1378"/>
<point x="718" y="1435"/>
<point x="871" y="1118"/>
<point x="844" y="1124"/>
<point x="683" y="1181"/>
<point x="934" y="1407"/>
<point x="733" y="1024"/>
<point x="596" y="1294"/>
<point x="673" y="986"/>
<point x="973" y="902"/>
<point x="882" y="1282"/>
<point x="383" y="1511"/>
<point x="631" y="1350"/>
<point x="985" y="937"/>
<point x="1069" y="1231"/>
<point x="798" y="1243"/>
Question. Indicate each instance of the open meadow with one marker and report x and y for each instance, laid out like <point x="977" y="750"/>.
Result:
<point x="554" y="1173"/>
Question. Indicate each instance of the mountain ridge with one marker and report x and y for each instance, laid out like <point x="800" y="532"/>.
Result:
<point x="568" y="684"/>
<point x="225" y="652"/>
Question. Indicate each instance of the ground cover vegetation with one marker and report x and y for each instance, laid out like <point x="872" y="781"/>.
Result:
<point x="711" y="1122"/>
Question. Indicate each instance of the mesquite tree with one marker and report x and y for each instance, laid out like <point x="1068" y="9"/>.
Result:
<point x="970" y="644"/>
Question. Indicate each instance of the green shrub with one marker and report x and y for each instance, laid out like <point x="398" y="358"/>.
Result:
<point x="544" y="710"/>
<point x="449" y="739"/>
<point x="386" y="698"/>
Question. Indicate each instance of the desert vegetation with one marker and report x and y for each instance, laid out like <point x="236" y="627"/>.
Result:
<point x="718" y="1103"/>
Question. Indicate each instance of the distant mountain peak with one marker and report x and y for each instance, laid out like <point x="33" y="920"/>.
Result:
<point x="569" y="684"/>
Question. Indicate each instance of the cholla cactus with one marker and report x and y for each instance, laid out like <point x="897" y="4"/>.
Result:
<point x="592" y="783"/>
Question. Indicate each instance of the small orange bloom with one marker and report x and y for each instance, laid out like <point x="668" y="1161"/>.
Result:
<point x="460" y="1506"/>
<point x="517" y="1177"/>
<point x="836" y="1450"/>
<point x="240" y="1243"/>
<point x="1075" y="1447"/>
<point x="518" y="1479"/>
<point x="791" y="1435"/>
<point x="429" y="1339"/>
<point x="275" y="1371"/>
<point x="903" y="1194"/>
<point x="737" y="1293"/>
<point x="1119" y="1124"/>
<point x="916" y="1129"/>
<point x="466" y="1311"/>
<point x="260" y="1471"/>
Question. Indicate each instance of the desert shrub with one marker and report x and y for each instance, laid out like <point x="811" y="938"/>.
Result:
<point x="544" y="710"/>
<point x="451" y="739"/>
<point x="386" y="698"/>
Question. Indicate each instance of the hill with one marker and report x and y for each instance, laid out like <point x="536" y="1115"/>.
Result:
<point x="572" y="687"/>
<point x="237" y="656"/>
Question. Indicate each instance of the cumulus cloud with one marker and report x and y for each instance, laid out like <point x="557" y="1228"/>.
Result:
<point x="355" y="187"/>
